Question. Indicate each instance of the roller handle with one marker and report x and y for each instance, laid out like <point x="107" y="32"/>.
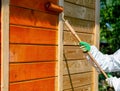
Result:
<point x="88" y="53"/>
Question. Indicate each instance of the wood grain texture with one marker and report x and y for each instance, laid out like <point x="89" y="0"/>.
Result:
<point x="30" y="17"/>
<point x="78" y="80"/>
<point x="48" y="84"/>
<point x="31" y="53"/>
<point x="28" y="71"/>
<point x="83" y="88"/>
<point x="80" y="25"/>
<point x="85" y="3"/>
<point x="29" y="35"/>
<point x="80" y="12"/>
<point x="73" y="53"/>
<point x="76" y="66"/>
<point x="32" y="4"/>
<point x="69" y="39"/>
<point x="4" y="44"/>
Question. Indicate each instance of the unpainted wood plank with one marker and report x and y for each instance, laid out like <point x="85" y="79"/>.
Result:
<point x="28" y="71"/>
<point x="80" y="12"/>
<point x="48" y="84"/>
<point x="60" y="51"/>
<point x="78" y="80"/>
<point x="96" y="40"/>
<point x="77" y="66"/>
<point x="34" y="18"/>
<point x="69" y="39"/>
<point x="4" y="45"/>
<point x="32" y="4"/>
<point x="82" y="88"/>
<point x="73" y="53"/>
<point x="29" y="35"/>
<point x="31" y="53"/>
<point x="80" y="25"/>
<point x="85" y="3"/>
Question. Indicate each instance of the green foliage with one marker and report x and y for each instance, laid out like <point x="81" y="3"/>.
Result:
<point x="109" y="33"/>
<point x="110" y="25"/>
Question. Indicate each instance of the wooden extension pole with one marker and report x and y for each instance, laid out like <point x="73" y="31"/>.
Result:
<point x="88" y="53"/>
<point x="5" y="45"/>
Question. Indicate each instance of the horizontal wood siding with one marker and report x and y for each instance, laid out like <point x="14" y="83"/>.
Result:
<point x="85" y="3"/>
<point x="33" y="46"/>
<point x="78" y="80"/>
<point x="82" y="88"/>
<point x="33" y="35"/>
<point x="77" y="66"/>
<point x="35" y="85"/>
<point x="33" y="4"/>
<point x="32" y="71"/>
<point x="81" y="12"/>
<point x="30" y="53"/>
<point x="29" y="17"/>
<point x="81" y="16"/>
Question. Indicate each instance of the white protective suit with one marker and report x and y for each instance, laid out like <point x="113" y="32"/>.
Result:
<point x="109" y="63"/>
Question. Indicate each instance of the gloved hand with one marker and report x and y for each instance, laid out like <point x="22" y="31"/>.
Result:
<point x="113" y="82"/>
<point x="85" y="46"/>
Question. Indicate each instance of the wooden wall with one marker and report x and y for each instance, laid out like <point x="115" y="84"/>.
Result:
<point x="81" y="15"/>
<point x="33" y="46"/>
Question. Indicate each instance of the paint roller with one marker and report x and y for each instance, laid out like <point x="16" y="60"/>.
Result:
<point x="58" y="9"/>
<point x="53" y="7"/>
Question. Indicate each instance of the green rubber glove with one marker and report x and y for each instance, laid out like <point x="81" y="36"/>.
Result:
<point x="85" y="46"/>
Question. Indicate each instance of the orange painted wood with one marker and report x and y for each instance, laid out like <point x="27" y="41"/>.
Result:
<point x="27" y="17"/>
<point x="27" y="53"/>
<point x="33" y="4"/>
<point x="48" y="84"/>
<point x="27" y="71"/>
<point x="32" y="35"/>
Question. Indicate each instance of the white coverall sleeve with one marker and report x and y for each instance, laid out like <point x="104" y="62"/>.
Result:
<point x="114" y="82"/>
<point x="109" y="63"/>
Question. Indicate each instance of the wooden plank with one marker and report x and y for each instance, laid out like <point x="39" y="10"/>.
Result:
<point x="5" y="45"/>
<point x="96" y="40"/>
<point x="60" y="50"/>
<point x="78" y="80"/>
<point x="73" y="53"/>
<point x="80" y="25"/>
<point x="28" y="35"/>
<point x="30" y="17"/>
<point x="27" y="71"/>
<point x="85" y="3"/>
<point x="83" y="88"/>
<point x="48" y="84"/>
<point x="69" y="39"/>
<point x="80" y="12"/>
<point x="77" y="66"/>
<point x="30" y="53"/>
<point x="32" y="4"/>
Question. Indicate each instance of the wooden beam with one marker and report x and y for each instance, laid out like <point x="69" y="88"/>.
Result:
<point x="60" y="51"/>
<point x="96" y="41"/>
<point x="5" y="46"/>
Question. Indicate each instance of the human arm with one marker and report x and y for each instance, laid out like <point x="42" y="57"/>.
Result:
<point x="114" y="82"/>
<point x="109" y="63"/>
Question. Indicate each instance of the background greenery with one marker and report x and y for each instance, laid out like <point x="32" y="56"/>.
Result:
<point x="109" y="33"/>
<point x="110" y="26"/>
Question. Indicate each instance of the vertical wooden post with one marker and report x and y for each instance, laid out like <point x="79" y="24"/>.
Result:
<point x="5" y="45"/>
<point x="96" y="40"/>
<point x="60" y="51"/>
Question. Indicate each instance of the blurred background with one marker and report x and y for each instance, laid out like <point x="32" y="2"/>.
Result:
<point x="109" y="34"/>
